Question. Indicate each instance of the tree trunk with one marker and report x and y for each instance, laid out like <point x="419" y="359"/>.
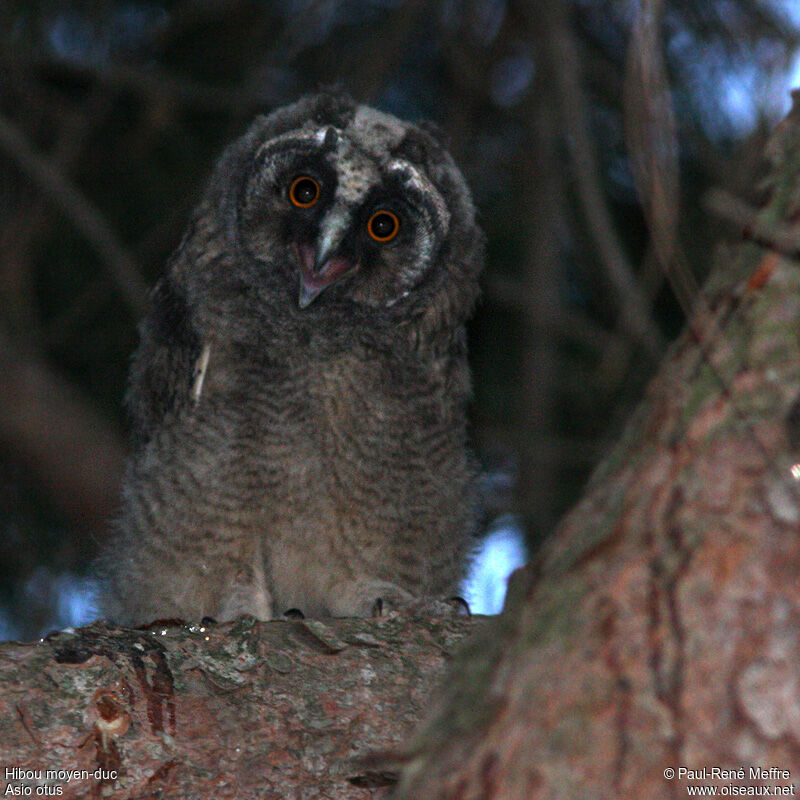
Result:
<point x="659" y="628"/>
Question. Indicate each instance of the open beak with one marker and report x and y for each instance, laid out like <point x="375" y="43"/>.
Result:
<point x="322" y="266"/>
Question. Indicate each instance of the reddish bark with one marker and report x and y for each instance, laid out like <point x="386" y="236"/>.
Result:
<point x="660" y="628"/>
<point x="242" y="710"/>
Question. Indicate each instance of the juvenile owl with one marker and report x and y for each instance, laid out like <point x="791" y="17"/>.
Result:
<point x="298" y="396"/>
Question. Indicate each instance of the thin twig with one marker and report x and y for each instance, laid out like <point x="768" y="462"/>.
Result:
<point x="580" y="329"/>
<point x="565" y="69"/>
<point x="83" y="214"/>
<point x="651" y="134"/>
<point x="156" y="84"/>
<point x="783" y="239"/>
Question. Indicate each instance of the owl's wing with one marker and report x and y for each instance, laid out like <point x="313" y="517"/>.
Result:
<point x="163" y="367"/>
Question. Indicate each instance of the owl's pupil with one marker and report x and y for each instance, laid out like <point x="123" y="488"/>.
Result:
<point x="383" y="226"/>
<point x="305" y="191"/>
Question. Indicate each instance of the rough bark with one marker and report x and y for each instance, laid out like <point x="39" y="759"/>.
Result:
<point x="242" y="710"/>
<point x="659" y="628"/>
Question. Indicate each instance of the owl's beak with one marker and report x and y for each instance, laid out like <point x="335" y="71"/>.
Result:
<point x="322" y="266"/>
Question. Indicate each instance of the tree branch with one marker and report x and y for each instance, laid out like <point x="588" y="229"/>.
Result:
<point x="242" y="711"/>
<point x="80" y="211"/>
<point x="565" y="68"/>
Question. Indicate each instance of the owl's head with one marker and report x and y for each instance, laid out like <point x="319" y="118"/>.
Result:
<point x="351" y="206"/>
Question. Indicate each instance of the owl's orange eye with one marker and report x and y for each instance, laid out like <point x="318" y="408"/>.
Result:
<point x="304" y="192"/>
<point x="383" y="226"/>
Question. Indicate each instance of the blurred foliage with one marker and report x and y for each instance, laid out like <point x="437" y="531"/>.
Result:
<point x="112" y="113"/>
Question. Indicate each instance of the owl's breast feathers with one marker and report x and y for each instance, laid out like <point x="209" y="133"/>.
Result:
<point x="329" y="423"/>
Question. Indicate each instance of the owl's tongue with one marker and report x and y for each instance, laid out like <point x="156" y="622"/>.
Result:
<point x="314" y="279"/>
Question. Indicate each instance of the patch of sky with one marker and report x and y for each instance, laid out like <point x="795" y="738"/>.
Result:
<point x="73" y="37"/>
<point x="501" y="551"/>
<point x="54" y="601"/>
<point x="787" y="10"/>
<point x="733" y="90"/>
<point x="93" y="39"/>
<point x="486" y="18"/>
<point x="511" y="78"/>
<point x="8" y="629"/>
<point x="76" y="601"/>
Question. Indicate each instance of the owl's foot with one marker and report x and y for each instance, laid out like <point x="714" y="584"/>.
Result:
<point x="367" y="597"/>
<point x="376" y="598"/>
<point x="460" y="606"/>
<point x="424" y="607"/>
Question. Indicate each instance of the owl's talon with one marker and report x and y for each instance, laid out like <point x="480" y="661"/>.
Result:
<point x="377" y="607"/>
<point x="460" y="606"/>
<point x="293" y="613"/>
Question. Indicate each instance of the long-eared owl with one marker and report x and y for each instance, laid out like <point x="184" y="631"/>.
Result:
<point x="298" y="397"/>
